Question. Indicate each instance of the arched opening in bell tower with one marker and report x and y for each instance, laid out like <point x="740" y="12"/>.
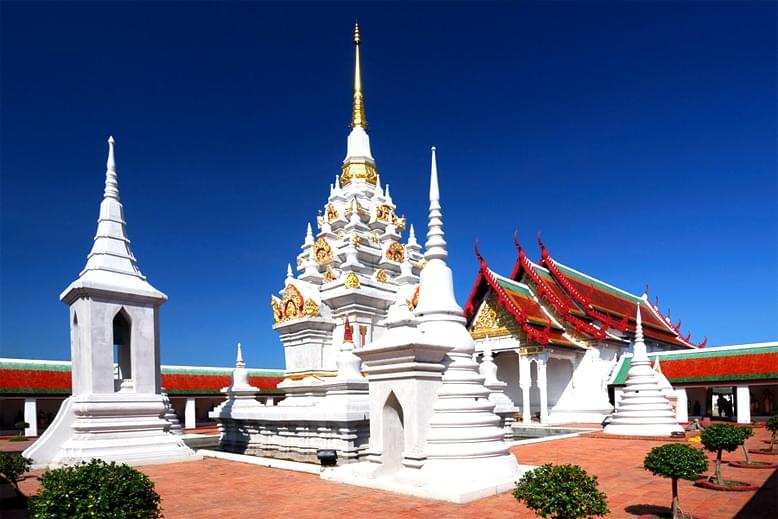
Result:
<point x="393" y="433"/>
<point x="122" y="351"/>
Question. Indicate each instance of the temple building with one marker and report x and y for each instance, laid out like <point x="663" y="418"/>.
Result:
<point x="349" y="272"/>
<point x="556" y="335"/>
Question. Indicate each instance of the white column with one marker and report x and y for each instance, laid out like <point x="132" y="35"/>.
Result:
<point x="269" y="401"/>
<point x="681" y="405"/>
<point x="743" y="404"/>
<point x="525" y="382"/>
<point x="542" y="384"/>
<point x="31" y="416"/>
<point x="190" y="417"/>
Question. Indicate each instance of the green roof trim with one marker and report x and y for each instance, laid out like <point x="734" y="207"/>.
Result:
<point x="621" y="377"/>
<point x="513" y="286"/>
<point x="37" y="366"/>
<point x="567" y="271"/>
<point x="33" y="391"/>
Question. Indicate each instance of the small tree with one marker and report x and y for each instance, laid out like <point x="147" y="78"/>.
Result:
<point x="561" y="492"/>
<point x="772" y="426"/>
<point x="20" y="426"/>
<point x="746" y="432"/>
<point x="13" y="465"/>
<point x="96" y="489"/>
<point x="676" y="461"/>
<point x="718" y="438"/>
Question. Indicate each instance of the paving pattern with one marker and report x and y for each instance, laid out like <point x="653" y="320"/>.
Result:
<point x="214" y="488"/>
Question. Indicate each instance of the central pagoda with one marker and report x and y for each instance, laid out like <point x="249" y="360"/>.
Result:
<point x="350" y="271"/>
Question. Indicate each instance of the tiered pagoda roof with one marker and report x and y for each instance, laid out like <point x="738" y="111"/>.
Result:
<point x="555" y="304"/>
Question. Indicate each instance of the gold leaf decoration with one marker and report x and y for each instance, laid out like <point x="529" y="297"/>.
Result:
<point x="352" y="281"/>
<point x="310" y="308"/>
<point x="395" y="252"/>
<point x="381" y="276"/>
<point x="322" y="251"/>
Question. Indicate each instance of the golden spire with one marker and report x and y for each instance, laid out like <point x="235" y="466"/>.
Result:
<point x="358" y="112"/>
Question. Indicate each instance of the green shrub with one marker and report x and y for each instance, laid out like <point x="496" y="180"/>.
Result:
<point x="13" y="465"/>
<point x="676" y="461"/>
<point x="772" y="426"/>
<point x="18" y="438"/>
<point x="561" y="492"/>
<point x="718" y="438"/>
<point x="95" y="489"/>
<point x="21" y="426"/>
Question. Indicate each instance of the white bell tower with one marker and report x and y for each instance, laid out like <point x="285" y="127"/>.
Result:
<point x="115" y="411"/>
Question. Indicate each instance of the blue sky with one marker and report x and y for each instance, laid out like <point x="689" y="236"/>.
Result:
<point x="639" y="137"/>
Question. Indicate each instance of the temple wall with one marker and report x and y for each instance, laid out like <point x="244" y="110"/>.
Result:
<point x="508" y="371"/>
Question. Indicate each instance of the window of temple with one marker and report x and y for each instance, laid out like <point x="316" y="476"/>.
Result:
<point x="122" y="350"/>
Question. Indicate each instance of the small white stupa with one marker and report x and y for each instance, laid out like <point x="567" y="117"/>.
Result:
<point x="503" y="405"/>
<point x="644" y="408"/>
<point x="116" y="409"/>
<point x="433" y="429"/>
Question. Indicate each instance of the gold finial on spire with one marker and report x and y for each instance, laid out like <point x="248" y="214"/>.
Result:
<point x="358" y="112"/>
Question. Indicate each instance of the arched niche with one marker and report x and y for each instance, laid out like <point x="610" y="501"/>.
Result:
<point x="393" y="433"/>
<point x="122" y="348"/>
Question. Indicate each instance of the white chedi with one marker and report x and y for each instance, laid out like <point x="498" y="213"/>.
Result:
<point x="240" y="394"/>
<point x="644" y="408"/>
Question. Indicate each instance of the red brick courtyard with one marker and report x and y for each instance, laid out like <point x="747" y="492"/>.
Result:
<point x="217" y="488"/>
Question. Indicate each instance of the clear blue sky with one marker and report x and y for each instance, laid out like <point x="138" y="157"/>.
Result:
<point x="639" y="137"/>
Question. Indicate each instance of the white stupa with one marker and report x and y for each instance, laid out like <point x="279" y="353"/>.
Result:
<point x="433" y="430"/>
<point x="644" y="408"/>
<point x="116" y="411"/>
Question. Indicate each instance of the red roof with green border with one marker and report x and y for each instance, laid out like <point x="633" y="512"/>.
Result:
<point x="712" y="365"/>
<point x="23" y="377"/>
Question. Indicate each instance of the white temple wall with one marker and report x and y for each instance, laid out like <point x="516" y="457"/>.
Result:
<point x="508" y="371"/>
<point x="560" y="380"/>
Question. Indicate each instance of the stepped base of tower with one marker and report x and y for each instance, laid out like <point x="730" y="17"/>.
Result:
<point x="121" y="427"/>
<point x="454" y="480"/>
<point x="301" y="426"/>
<point x="642" y="427"/>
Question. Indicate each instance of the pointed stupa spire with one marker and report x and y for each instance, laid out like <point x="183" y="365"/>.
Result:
<point x="308" y="235"/>
<point x="639" y="347"/>
<point x="358" y="111"/>
<point x="239" y="358"/>
<point x="289" y="274"/>
<point x="436" y="244"/>
<point x="111" y="263"/>
<point x="359" y="164"/>
<point x="412" y="237"/>
<point x="111" y="182"/>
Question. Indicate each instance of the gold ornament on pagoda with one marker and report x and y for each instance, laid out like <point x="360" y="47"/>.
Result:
<point x="310" y="308"/>
<point x="329" y="275"/>
<point x="383" y="213"/>
<point x="356" y="240"/>
<point x="413" y="301"/>
<point x="395" y="252"/>
<point x="352" y="281"/>
<point x="374" y="238"/>
<point x="278" y="312"/>
<point x="381" y="276"/>
<point x="421" y="264"/>
<point x="291" y="305"/>
<point x="399" y="223"/>
<point x="322" y="252"/>
<point x="358" y="172"/>
<point x="332" y="213"/>
<point x="492" y="321"/>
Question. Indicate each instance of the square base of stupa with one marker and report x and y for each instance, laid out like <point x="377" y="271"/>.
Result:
<point x="472" y="481"/>
<point x="643" y="429"/>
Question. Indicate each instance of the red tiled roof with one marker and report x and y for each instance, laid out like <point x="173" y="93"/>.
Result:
<point x="18" y="376"/>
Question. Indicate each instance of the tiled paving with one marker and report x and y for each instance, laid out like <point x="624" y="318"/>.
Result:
<point x="217" y="488"/>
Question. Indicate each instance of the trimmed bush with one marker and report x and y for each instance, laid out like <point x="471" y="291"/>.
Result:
<point x="13" y="465"/>
<point x="676" y="461"/>
<point x="561" y="492"/>
<point x="95" y="489"/>
<point x="718" y="438"/>
<point x="772" y="426"/>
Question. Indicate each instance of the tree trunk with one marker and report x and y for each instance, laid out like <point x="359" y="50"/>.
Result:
<point x="745" y="451"/>
<point x="676" y="508"/>
<point x="718" y="468"/>
<point x="772" y="442"/>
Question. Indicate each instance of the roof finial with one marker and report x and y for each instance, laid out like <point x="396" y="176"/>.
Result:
<point x="111" y="182"/>
<point x="638" y="327"/>
<point x="436" y="245"/>
<point x="358" y="111"/>
<point x="289" y="274"/>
